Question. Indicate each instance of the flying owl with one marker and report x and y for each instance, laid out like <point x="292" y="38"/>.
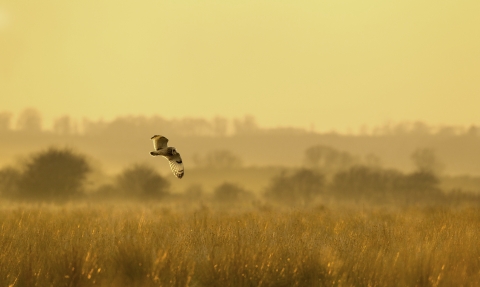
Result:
<point x="170" y="153"/>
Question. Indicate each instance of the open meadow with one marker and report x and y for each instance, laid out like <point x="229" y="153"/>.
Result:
<point x="162" y="245"/>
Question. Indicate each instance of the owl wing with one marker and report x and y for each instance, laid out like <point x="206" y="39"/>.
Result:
<point x="176" y="164"/>
<point x="159" y="142"/>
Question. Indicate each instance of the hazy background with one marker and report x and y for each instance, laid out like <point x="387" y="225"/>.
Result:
<point x="319" y="65"/>
<point x="259" y="81"/>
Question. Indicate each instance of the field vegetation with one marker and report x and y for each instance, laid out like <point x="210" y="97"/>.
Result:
<point x="166" y="245"/>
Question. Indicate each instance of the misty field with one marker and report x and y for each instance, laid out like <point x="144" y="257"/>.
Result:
<point x="131" y="245"/>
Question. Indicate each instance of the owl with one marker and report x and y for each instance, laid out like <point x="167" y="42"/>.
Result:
<point x="170" y="153"/>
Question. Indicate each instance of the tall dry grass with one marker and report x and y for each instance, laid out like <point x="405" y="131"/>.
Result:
<point x="158" y="246"/>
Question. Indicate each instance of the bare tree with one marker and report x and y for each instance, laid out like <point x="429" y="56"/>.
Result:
<point x="30" y="120"/>
<point x="220" y="126"/>
<point x="426" y="161"/>
<point x="63" y="126"/>
<point x="246" y="126"/>
<point x="218" y="159"/>
<point x="473" y="131"/>
<point x="328" y="159"/>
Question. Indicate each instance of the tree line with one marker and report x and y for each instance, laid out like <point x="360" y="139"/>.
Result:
<point x="30" y="120"/>
<point x="62" y="174"/>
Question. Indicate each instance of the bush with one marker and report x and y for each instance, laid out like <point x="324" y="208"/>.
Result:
<point x="53" y="175"/>
<point x="421" y="185"/>
<point x="229" y="192"/>
<point x="142" y="182"/>
<point x="366" y="182"/>
<point x="300" y="187"/>
<point x="421" y="180"/>
<point x="374" y="183"/>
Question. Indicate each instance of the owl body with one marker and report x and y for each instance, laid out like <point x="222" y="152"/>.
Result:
<point x="168" y="152"/>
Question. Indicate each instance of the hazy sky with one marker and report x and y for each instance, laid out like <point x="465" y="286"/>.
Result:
<point x="335" y="64"/>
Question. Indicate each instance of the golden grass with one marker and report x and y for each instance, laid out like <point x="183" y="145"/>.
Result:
<point x="157" y="246"/>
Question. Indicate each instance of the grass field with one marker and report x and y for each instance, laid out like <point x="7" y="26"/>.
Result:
<point x="134" y="245"/>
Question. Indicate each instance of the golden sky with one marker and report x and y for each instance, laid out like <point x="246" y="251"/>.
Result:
<point x="334" y="64"/>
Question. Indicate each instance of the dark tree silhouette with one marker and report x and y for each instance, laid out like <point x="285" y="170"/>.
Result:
<point x="229" y="192"/>
<point x="142" y="182"/>
<point x="423" y="182"/>
<point x="245" y="126"/>
<point x="30" y="120"/>
<point x="328" y="159"/>
<point x="221" y="159"/>
<point x="300" y="187"/>
<point x="53" y="175"/>
<point x="426" y="161"/>
<point x="63" y="126"/>
<point x="362" y="182"/>
<point x="366" y="182"/>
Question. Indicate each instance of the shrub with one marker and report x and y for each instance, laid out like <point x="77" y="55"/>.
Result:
<point x="53" y="175"/>
<point x="374" y="183"/>
<point x="142" y="182"/>
<point x="300" y="187"/>
<point x="229" y="192"/>
<point x="426" y="161"/>
<point x="421" y="180"/>
<point x="421" y="185"/>
<point x="362" y="181"/>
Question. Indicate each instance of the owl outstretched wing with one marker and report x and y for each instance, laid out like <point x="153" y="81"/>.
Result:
<point x="176" y="164"/>
<point x="159" y="142"/>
